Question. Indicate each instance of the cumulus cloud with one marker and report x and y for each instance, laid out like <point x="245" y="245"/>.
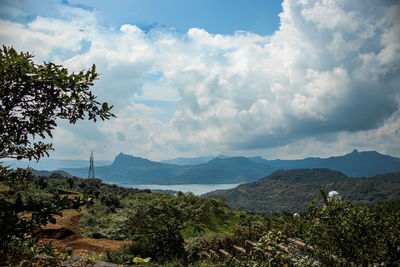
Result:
<point x="328" y="77"/>
<point x="324" y="71"/>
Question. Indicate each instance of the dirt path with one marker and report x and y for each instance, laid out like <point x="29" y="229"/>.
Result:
<point x="66" y="233"/>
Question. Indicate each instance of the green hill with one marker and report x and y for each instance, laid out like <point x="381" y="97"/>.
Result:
<point x="292" y="190"/>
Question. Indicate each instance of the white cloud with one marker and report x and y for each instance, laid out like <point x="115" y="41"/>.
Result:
<point x="328" y="77"/>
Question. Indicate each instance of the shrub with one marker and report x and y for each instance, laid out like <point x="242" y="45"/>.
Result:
<point x="196" y="245"/>
<point x="348" y="233"/>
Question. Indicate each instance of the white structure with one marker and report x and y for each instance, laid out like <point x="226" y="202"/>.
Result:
<point x="334" y="195"/>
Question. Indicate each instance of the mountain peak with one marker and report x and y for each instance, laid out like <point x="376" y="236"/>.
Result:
<point x="355" y="151"/>
<point x="126" y="160"/>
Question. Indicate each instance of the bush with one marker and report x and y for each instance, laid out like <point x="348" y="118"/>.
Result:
<point x="348" y="233"/>
<point x="99" y="222"/>
<point x="21" y="196"/>
<point x="121" y="256"/>
<point x="196" y="245"/>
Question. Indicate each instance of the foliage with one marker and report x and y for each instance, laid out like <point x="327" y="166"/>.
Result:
<point x="158" y="219"/>
<point x="22" y="197"/>
<point x="252" y="228"/>
<point x="100" y="222"/>
<point x="34" y="96"/>
<point x="46" y="249"/>
<point x="346" y="232"/>
<point x="271" y="245"/>
<point x="154" y="212"/>
<point x="111" y="201"/>
<point x="196" y="246"/>
<point x="160" y="246"/>
<point x="121" y="256"/>
<point x="336" y="234"/>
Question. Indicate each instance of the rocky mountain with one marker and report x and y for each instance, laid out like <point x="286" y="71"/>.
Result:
<point x="292" y="190"/>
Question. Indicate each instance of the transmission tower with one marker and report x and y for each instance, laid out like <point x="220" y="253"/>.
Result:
<point x="91" y="167"/>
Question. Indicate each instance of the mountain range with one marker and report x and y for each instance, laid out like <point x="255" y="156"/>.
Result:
<point x="127" y="169"/>
<point x="293" y="190"/>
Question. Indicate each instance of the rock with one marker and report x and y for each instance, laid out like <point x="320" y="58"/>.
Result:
<point x="75" y="261"/>
<point x="24" y="263"/>
<point x="102" y="264"/>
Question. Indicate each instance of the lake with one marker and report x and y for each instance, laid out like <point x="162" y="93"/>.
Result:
<point x="197" y="189"/>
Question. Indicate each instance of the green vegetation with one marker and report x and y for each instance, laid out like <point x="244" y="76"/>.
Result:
<point x="293" y="190"/>
<point x="32" y="98"/>
<point x="185" y="230"/>
<point x="20" y="196"/>
<point x="154" y="221"/>
<point x="352" y="233"/>
<point x="172" y="230"/>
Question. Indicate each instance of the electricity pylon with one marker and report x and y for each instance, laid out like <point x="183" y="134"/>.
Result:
<point x="91" y="167"/>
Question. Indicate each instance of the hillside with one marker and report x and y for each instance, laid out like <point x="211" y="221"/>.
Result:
<point x="292" y="190"/>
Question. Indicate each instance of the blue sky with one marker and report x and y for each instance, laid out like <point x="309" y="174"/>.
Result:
<point x="218" y="17"/>
<point x="279" y="79"/>
<point x="223" y="16"/>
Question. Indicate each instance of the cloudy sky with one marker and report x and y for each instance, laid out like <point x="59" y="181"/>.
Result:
<point x="188" y="78"/>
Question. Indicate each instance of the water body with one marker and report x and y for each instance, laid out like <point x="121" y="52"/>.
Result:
<point x="197" y="189"/>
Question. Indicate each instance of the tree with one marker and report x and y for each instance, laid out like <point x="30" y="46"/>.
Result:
<point x="33" y="97"/>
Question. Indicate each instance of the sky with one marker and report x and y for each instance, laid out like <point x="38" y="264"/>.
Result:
<point x="278" y="79"/>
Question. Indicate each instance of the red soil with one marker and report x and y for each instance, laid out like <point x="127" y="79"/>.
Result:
<point x="65" y="233"/>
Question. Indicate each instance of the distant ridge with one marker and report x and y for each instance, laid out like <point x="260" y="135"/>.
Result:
<point x="354" y="164"/>
<point x="188" y="161"/>
<point x="132" y="170"/>
<point x="49" y="173"/>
